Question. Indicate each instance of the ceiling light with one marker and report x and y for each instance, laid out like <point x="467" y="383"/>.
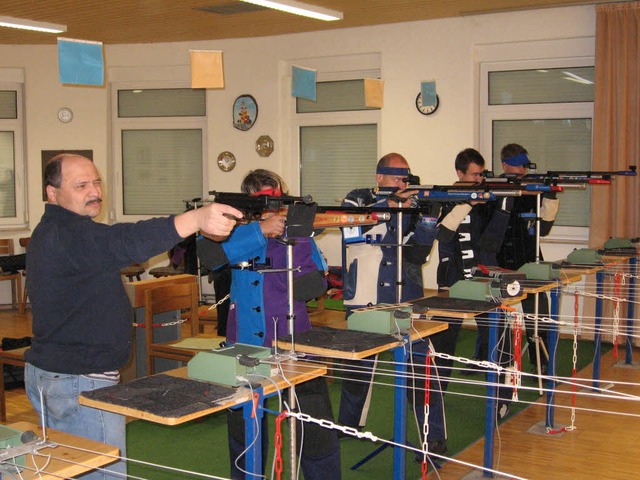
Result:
<point x="577" y="78"/>
<point x="299" y="8"/>
<point x="32" y="25"/>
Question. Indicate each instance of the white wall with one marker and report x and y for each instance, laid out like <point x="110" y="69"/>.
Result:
<point x="445" y="49"/>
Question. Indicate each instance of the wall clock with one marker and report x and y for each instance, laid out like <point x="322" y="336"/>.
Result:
<point x="65" y="115"/>
<point x="245" y="112"/>
<point x="426" y="109"/>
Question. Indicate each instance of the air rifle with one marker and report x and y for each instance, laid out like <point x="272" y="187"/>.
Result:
<point x="254" y="207"/>
<point x="566" y="178"/>
<point x="498" y="188"/>
<point x="460" y="192"/>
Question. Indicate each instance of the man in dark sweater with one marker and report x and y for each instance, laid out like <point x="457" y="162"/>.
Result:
<point x="519" y="246"/>
<point x="82" y="317"/>
<point x="474" y="242"/>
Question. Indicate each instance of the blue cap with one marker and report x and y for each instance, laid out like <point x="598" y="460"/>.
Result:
<point x="520" y="160"/>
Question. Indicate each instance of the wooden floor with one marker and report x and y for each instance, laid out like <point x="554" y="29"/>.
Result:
<point x="604" y="445"/>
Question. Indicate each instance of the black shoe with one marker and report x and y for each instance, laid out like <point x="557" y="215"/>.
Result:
<point x="438" y="447"/>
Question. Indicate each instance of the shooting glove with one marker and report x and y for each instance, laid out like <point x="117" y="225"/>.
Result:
<point x="452" y="221"/>
<point x="549" y="209"/>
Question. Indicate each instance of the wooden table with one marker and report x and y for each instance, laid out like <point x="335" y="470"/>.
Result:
<point x="421" y="328"/>
<point x="608" y="261"/>
<point x="295" y="372"/>
<point x="245" y="398"/>
<point x="67" y="460"/>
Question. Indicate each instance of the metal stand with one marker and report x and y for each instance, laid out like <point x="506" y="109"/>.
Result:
<point x="536" y="309"/>
<point x="400" y="398"/>
<point x="598" y="329"/>
<point x="553" y="348"/>
<point x="399" y="258"/>
<point x="631" y="295"/>
<point x="252" y="413"/>
<point x="492" y="393"/>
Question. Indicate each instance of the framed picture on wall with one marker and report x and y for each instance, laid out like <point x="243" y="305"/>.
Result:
<point x="245" y="112"/>
<point x="49" y="154"/>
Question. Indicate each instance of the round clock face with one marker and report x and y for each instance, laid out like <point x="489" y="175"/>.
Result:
<point x="65" y="115"/>
<point x="426" y="109"/>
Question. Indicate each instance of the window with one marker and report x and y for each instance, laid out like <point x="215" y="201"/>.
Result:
<point x="553" y="144"/>
<point x="159" y="143"/>
<point x="338" y="141"/>
<point x="12" y="179"/>
<point x="337" y="159"/>
<point x="547" y="107"/>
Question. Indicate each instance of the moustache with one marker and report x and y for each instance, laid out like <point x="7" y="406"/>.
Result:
<point x="96" y="200"/>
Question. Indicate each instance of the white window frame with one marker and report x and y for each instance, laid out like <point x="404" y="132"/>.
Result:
<point x="16" y="125"/>
<point x="323" y="119"/>
<point x="490" y="113"/>
<point x="116" y="210"/>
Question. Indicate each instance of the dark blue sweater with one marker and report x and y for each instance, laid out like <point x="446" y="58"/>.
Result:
<point x="81" y="314"/>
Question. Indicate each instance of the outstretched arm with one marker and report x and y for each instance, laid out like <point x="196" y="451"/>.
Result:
<point x="215" y="219"/>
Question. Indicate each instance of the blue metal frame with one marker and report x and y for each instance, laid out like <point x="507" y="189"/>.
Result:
<point x="631" y="295"/>
<point x="598" y="329"/>
<point x="400" y="413"/>
<point x="492" y="378"/>
<point x="253" y="434"/>
<point x="552" y="344"/>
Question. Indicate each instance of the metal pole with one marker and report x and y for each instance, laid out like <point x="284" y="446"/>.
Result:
<point x="399" y="237"/>
<point x="292" y="395"/>
<point x="292" y="436"/>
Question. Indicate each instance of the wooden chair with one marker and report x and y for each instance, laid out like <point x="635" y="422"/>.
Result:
<point x="133" y="272"/>
<point x="9" y="357"/>
<point x="24" y="243"/>
<point x="207" y="317"/>
<point x="167" y="271"/>
<point x="6" y="248"/>
<point x="164" y="299"/>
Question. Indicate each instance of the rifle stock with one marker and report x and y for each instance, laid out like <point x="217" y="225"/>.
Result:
<point x="253" y="206"/>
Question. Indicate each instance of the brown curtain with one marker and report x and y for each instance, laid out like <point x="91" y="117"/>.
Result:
<point x="615" y="211"/>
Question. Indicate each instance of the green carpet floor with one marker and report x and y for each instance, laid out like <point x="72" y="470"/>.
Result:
<point x="201" y="446"/>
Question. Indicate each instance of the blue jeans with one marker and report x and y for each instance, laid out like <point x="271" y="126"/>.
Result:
<point x="63" y="412"/>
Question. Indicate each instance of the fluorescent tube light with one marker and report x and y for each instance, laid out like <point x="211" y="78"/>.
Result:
<point x="577" y="78"/>
<point x="299" y="8"/>
<point x="25" y="24"/>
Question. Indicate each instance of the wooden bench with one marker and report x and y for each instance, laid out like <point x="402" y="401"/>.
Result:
<point x="9" y="357"/>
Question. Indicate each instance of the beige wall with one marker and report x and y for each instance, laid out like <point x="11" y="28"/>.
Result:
<point x="446" y="50"/>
